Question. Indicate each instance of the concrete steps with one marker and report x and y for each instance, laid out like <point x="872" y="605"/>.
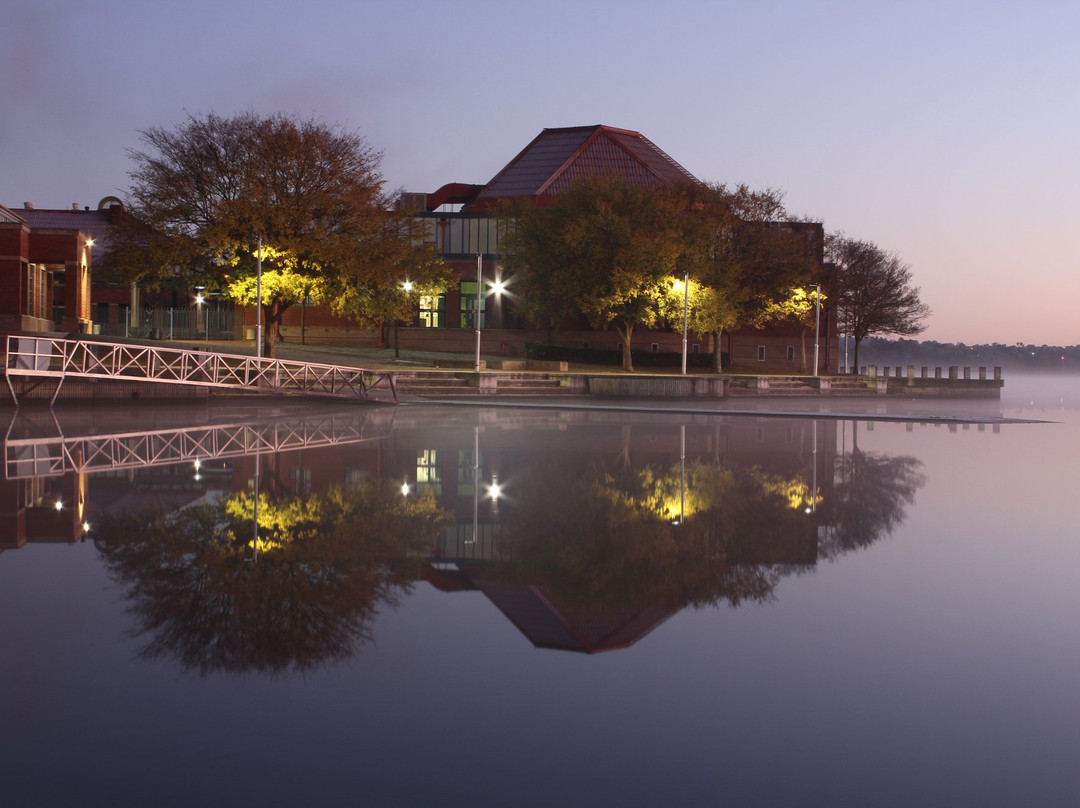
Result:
<point x="432" y="384"/>
<point x="528" y="385"/>
<point x="776" y="386"/>
<point x="435" y="384"/>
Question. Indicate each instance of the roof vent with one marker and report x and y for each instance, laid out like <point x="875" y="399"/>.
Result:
<point x="28" y="205"/>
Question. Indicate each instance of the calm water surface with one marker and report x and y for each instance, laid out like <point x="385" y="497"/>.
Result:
<point x="459" y="606"/>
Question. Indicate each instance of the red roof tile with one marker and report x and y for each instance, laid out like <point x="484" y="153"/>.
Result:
<point x="557" y="157"/>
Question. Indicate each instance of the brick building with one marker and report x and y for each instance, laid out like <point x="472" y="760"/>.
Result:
<point x="459" y="221"/>
<point x="45" y="269"/>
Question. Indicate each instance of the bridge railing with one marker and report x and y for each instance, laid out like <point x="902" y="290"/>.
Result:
<point x="61" y="358"/>
<point x="29" y="457"/>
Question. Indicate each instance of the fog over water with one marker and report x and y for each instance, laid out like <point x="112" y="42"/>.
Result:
<point x="473" y="606"/>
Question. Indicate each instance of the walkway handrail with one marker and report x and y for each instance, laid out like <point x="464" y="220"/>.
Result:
<point x="92" y="359"/>
<point x="50" y="456"/>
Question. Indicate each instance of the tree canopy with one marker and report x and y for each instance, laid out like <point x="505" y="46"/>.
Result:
<point x="205" y="190"/>
<point x="875" y="291"/>
<point x="617" y="253"/>
<point x="326" y="565"/>
<point x="602" y="249"/>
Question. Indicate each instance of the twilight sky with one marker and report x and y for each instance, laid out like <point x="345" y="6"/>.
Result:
<point x="944" y="131"/>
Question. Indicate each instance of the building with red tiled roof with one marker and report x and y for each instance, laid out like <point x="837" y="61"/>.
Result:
<point x="555" y="158"/>
<point x="461" y="222"/>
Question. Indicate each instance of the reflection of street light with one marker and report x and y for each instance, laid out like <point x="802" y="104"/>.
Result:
<point x="494" y="490"/>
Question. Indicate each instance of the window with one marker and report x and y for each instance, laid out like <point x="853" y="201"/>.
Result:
<point x="468" y="305"/>
<point x="695" y="348"/>
<point x="431" y="310"/>
<point x="31" y="287"/>
<point x="428" y="477"/>
<point x="761" y="353"/>
<point x="466" y="474"/>
<point x="791" y="353"/>
<point x="300" y="481"/>
<point x="655" y="347"/>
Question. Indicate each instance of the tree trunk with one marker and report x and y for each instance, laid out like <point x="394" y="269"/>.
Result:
<point x="625" y="333"/>
<point x="855" y="355"/>
<point x="271" y="323"/>
<point x="718" y="351"/>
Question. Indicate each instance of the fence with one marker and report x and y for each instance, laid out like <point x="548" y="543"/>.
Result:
<point x="196" y="322"/>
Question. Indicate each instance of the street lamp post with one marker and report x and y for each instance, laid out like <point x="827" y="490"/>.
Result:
<point x="817" y="324"/>
<point x="407" y="288"/>
<point x="258" y="301"/>
<point x="685" y="316"/>
<point x="479" y="300"/>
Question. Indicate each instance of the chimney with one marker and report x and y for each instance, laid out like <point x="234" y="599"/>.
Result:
<point x="28" y="205"/>
<point x="74" y="205"/>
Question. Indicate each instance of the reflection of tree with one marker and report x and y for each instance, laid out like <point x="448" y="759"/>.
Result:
<point x="325" y="566"/>
<point x="871" y="497"/>
<point x="605" y="540"/>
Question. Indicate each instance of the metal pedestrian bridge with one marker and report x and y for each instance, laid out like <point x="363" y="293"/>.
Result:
<point x="29" y="456"/>
<point x="44" y="358"/>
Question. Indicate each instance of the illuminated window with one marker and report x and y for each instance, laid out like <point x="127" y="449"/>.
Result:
<point x="431" y="310"/>
<point x="428" y="477"/>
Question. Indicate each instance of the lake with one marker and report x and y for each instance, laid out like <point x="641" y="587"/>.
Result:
<point x="870" y="603"/>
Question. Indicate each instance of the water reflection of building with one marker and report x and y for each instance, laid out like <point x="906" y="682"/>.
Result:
<point x="546" y="621"/>
<point x="42" y="510"/>
<point x="457" y="456"/>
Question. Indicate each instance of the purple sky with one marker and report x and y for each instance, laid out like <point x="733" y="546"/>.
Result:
<point x="945" y="131"/>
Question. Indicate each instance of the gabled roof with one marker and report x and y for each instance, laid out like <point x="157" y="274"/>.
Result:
<point x="95" y="223"/>
<point x="558" y="157"/>
<point x="9" y="217"/>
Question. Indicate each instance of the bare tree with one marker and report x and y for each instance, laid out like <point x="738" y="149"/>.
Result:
<point x="875" y="291"/>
